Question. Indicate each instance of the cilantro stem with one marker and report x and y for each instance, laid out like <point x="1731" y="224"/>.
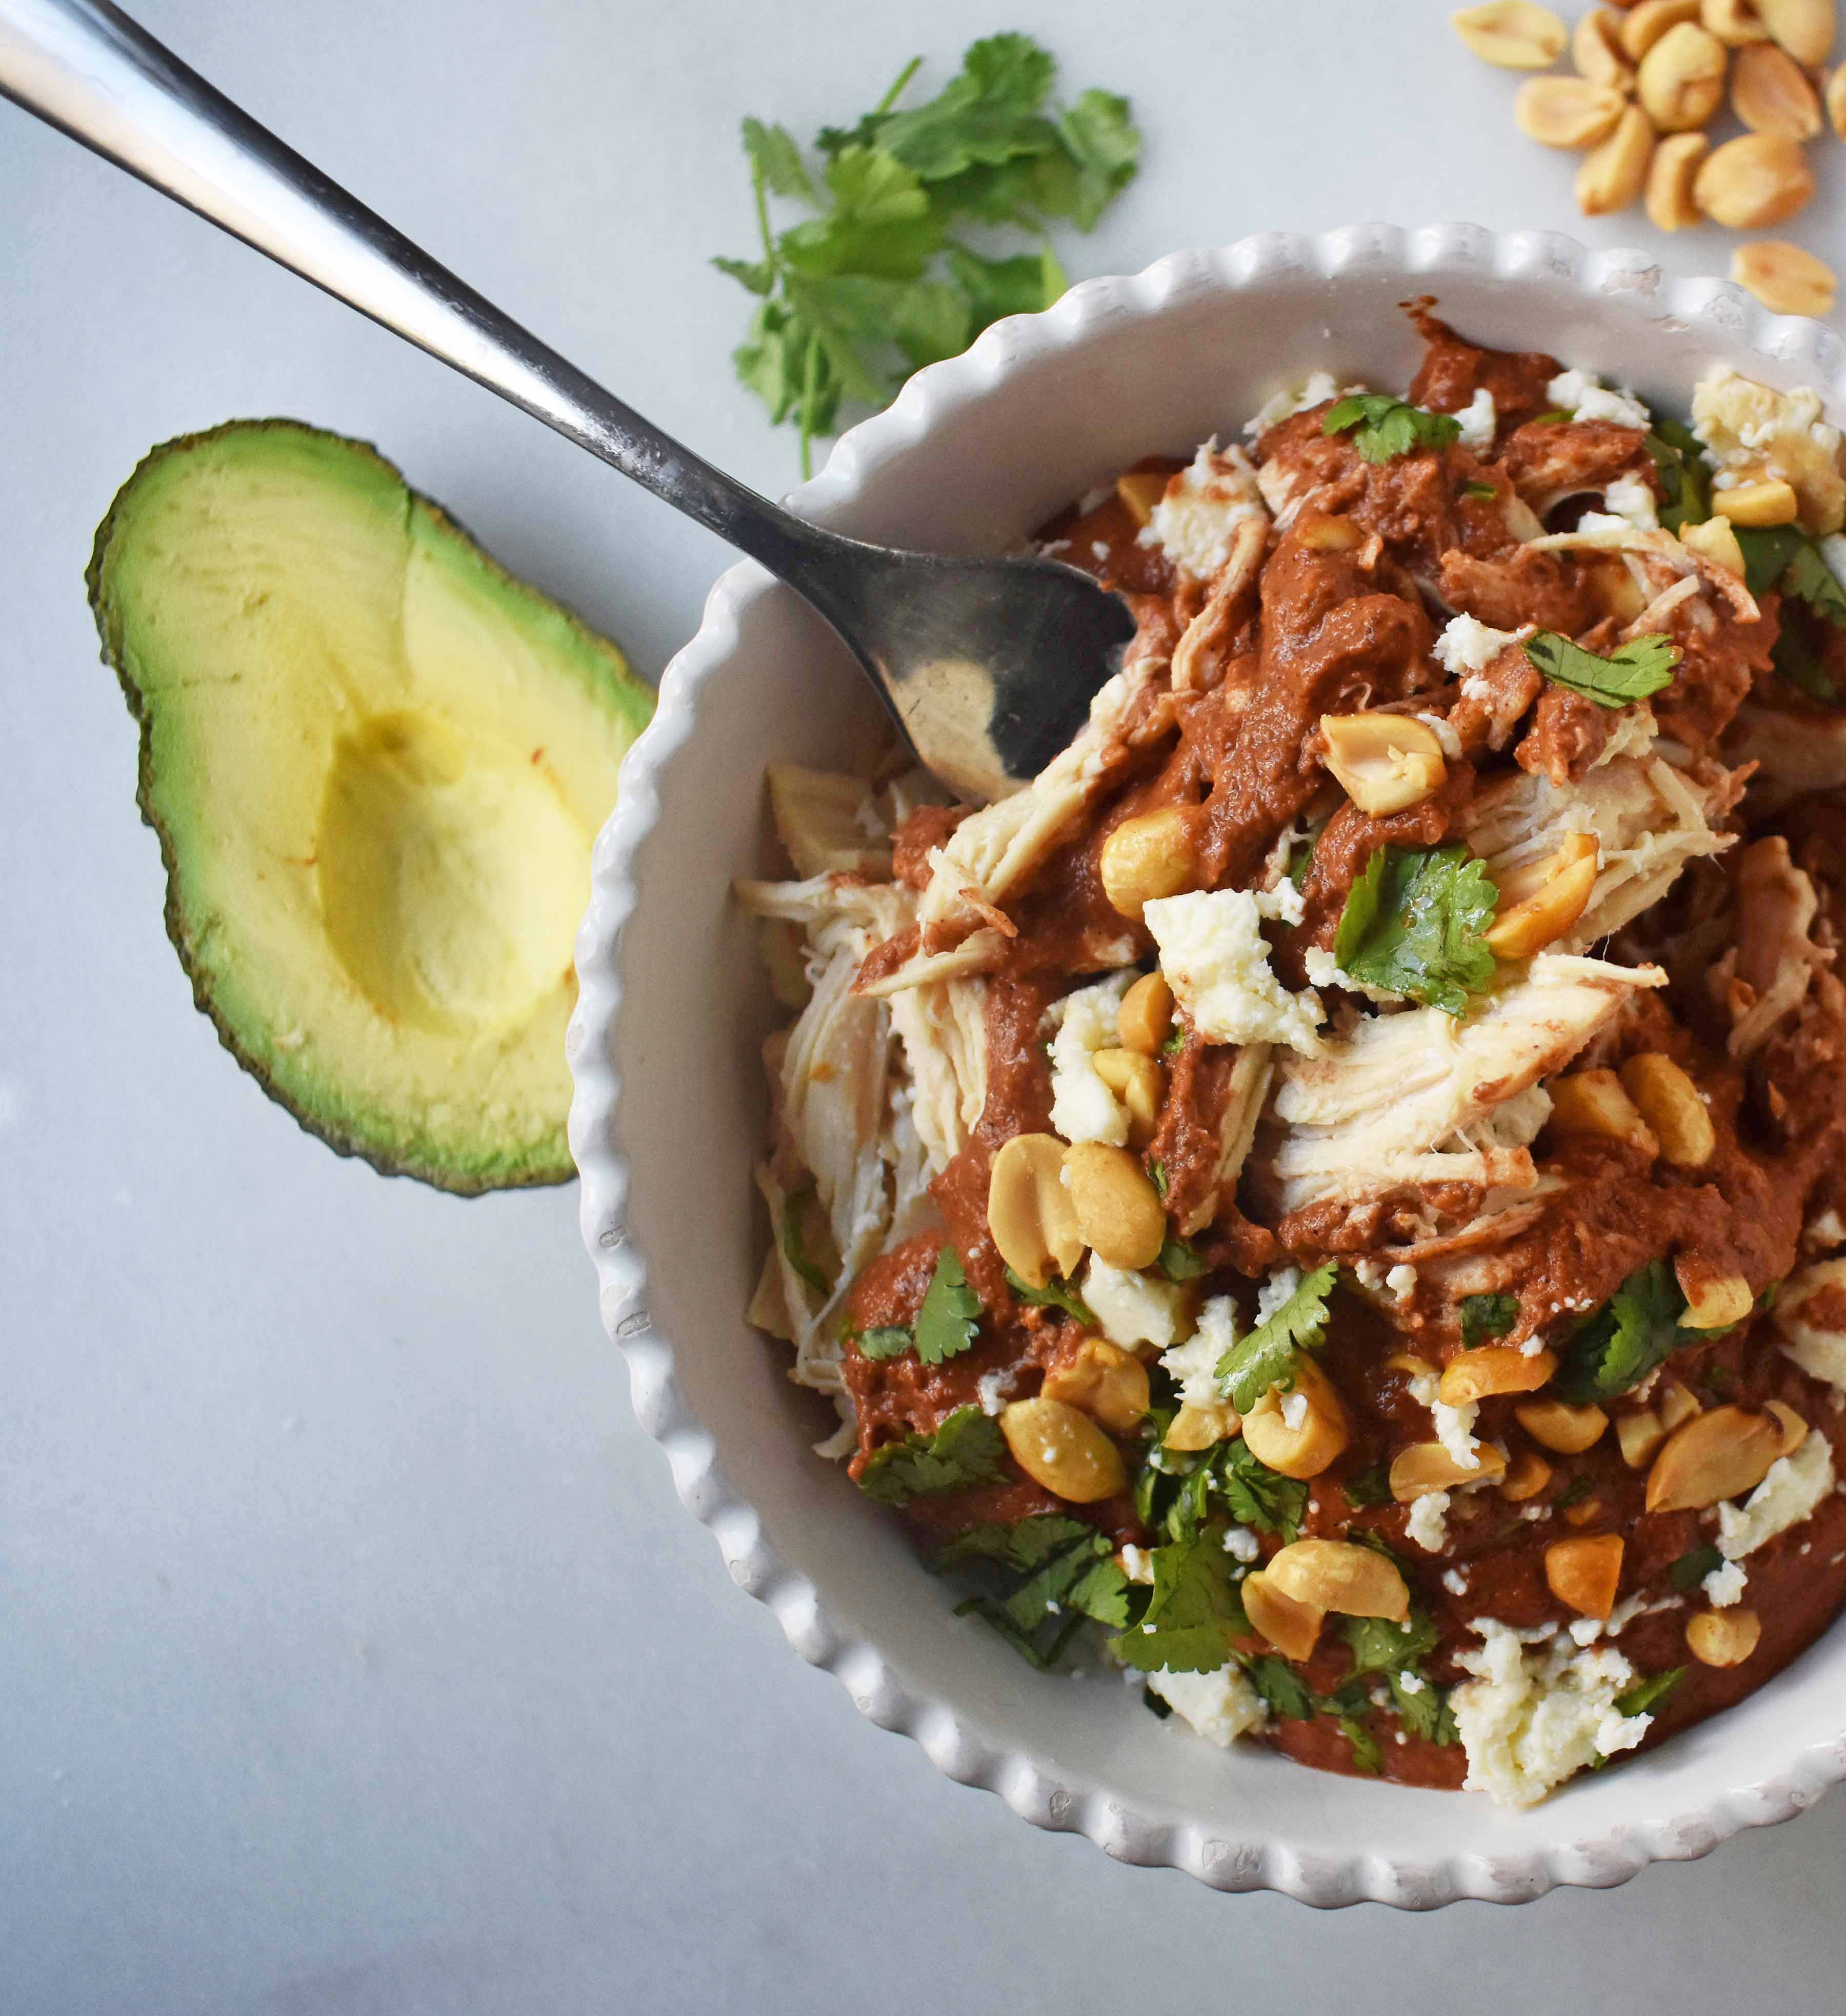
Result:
<point x="897" y="90"/>
<point x="762" y="201"/>
<point x="810" y="376"/>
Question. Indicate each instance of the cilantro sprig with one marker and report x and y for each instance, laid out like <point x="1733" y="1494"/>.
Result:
<point x="1621" y="1344"/>
<point x="1396" y="1653"/>
<point x="1193" y="1616"/>
<point x="1270" y="1356"/>
<point x="967" y="1449"/>
<point x="1677" y="458"/>
<point x="1786" y="557"/>
<point x="872" y="286"/>
<point x="1642" y="667"/>
<point x="1178" y="1493"/>
<point x="1383" y="427"/>
<point x="1484" y="1316"/>
<point x="1415" y="923"/>
<point x="945" y="1324"/>
<point x="1046" y="1574"/>
<point x="1055" y="1295"/>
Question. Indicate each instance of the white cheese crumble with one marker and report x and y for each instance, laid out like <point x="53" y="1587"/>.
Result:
<point x="1242" y="1544"/>
<point x="1214" y="955"/>
<point x="994" y="1389"/>
<point x="1438" y="726"/>
<point x="1194" y="1364"/>
<point x="1276" y="1291"/>
<point x="1825" y="1232"/>
<point x="1221" y="1706"/>
<point x="1402" y="1281"/>
<point x="1324" y="970"/>
<point x="1284" y="404"/>
<point x="1820" y="1351"/>
<point x="1531" y="1719"/>
<point x="1751" y="431"/>
<point x="1468" y="645"/>
<point x="1629" y="500"/>
<point x="1133" y="1309"/>
<point x="1833" y="550"/>
<point x="1724" y="1586"/>
<point x="1282" y="905"/>
<point x="1795" y="1485"/>
<point x="1428" y="1521"/>
<point x="1454" y="1426"/>
<point x="1082" y="1106"/>
<point x="1196" y="519"/>
<point x="1479" y="420"/>
<point x="1294" y="1411"/>
<point x="1577" y="393"/>
<point x="1137" y="1564"/>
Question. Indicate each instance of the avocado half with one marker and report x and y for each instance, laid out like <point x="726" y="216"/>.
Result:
<point x="376" y="764"/>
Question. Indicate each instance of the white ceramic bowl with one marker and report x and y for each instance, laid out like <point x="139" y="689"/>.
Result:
<point x="669" y="1111"/>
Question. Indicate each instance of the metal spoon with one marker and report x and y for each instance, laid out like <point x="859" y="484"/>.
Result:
<point x="989" y="666"/>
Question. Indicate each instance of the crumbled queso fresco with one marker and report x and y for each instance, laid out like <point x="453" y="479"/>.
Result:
<point x="1333" y="1199"/>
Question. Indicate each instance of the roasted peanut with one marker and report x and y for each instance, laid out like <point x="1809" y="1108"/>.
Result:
<point x="1716" y="1456"/>
<point x="1770" y="93"/>
<point x="1119" y="1212"/>
<point x="1566" y="111"/>
<point x="1757" y="179"/>
<point x="1029" y="1212"/>
<point x="1680" y="83"/>
<point x="1316" y="1441"/>
<point x="1427" y="1467"/>
<point x="1794" y="1429"/>
<point x="1566" y="1430"/>
<point x="1644" y="26"/>
<point x="1834" y="98"/>
<point x="1757" y="504"/>
<point x="1385" y="762"/>
<point x="1804" y="28"/>
<point x="1597" y="50"/>
<point x="1785" y="278"/>
<point x="1584" y="1573"/>
<point x="1735" y="23"/>
<point x="1140" y="490"/>
<point x="1723" y="1637"/>
<point x="1586" y="1512"/>
<point x="1670" y="175"/>
<point x="1516" y="34"/>
<point x="1291" y="1626"/>
<point x="1713" y="1300"/>
<point x="1540" y="904"/>
<point x="1136" y="1081"/>
<point x="1495" y="1368"/>
<point x="1063" y="1450"/>
<point x="1715" y="540"/>
<point x="1339" y="1575"/>
<point x="1614" y="174"/>
<point x="1103" y="1382"/>
<point x="1526" y="1475"/>
<point x="1677" y="1407"/>
<point x="1328" y="532"/>
<point x="1200" y="1427"/>
<point x="1591" y="1105"/>
<point x="1669" y="1102"/>
<point x="1145" y="1019"/>
<point x="1147" y="856"/>
<point x="1640" y="1435"/>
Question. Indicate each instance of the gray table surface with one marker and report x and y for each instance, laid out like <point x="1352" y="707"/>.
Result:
<point x="355" y="1653"/>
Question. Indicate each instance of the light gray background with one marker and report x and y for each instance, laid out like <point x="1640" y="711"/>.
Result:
<point x="355" y="1654"/>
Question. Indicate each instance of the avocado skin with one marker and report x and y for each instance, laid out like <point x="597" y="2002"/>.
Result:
<point x="543" y="1161"/>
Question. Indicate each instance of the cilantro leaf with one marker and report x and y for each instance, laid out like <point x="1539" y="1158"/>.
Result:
<point x="880" y="223"/>
<point x="967" y="1449"/>
<point x="1101" y="139"/>
<point x="1678" y="459"/>
<point x="1388" y="426"/>
<point x="1269" y="1355"/>
<point x="1282" y="1687"/>
<point x="1366" y="1753"/>
<point x="994" y="288"/>
<point x="1379" y="1646"/>
<point x="1424" y="1712"/>
<point x="1157" y="1174"/>
<point x="1642" y="666"/>
<point x="1646" y="1695"/>
<point x="1301" y="855"/>
<point x="1368" y="1487"/>
<point x="1256" y="1495"/>
<point x="775" y="161"/>
<point x="1415" y="923"/>
<point x="1055" y="1295"/>
<point x="794" y="1248"/>
<point x="886" y="1341"/>
<point x="1620" y="1345"/>
<point x="1179" y="1262"/>
<point x="1193" y="1615"/>
<point x="1484" y="1316"/>
<point x="1481" y="493"/>
<point x="1692" y="1567"/>
<point x="946" y="1322"/>
<point x="1810" y="579"/>
<point x="1796" y="660"/>
<point x="1056" y="1567"/>
<point x="1768" y="551"/>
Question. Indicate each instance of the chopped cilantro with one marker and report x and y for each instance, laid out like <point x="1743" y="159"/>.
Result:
<point x="1481" y="493"/>
<point x="1370" y="1487"/>
<point x="1052" y="1571"/>
<point x="1642" y="666"/>
<point x="1557" y="417"/>
<point x="1484" y="1316"/>
<point x="1388" y="427"/>
<point x="1366" y="1753"/>
<point x="1301" y="856"/>
<point x="1193" y="1615"/>
<point x="1055" y="1295"/>
<point x="886" y="1341"/>
<point x="1620" y="1345"/>
<point x="1181" y="1262"/>
<point x="1257" y="1495"/>
<point x="1379" y="1646"/>
<point x="967" y="1449"/>
<point x="1426" y="1712"/>
<point x="1768" y="551"/>
<point x="1175" y="1043"/>
<point x="1646" y="1695"/>
<point x="1282" y="1687"/>
<point x="1157" y="1173"/>
<point x="1678" y="459"/>
<point x="1692" y="1568"/>
<point x="794" y="1249"/>
<point x="945" y="1324"/>
<point x="853" y="298"/>
<point x="1415" y="923"/>
<point x="1811" y="581"/>
<point x="1269" y="1355"/>
<point x="1159" y="1709"/>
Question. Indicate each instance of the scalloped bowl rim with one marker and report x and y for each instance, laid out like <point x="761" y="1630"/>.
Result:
<point x="1052" y="1796"/>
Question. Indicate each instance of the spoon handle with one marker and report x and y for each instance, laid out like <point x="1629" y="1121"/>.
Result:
<point x="83" y="66"/>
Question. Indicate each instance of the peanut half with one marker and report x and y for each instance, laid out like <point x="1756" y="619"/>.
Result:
<point x="1526" y="1475"/>
<point x="1771" y="94"/>
<point x="1670" y="175"/>
<point x="1644" y="26"/>
<point x="1427" y="1467"/>
<point x="1493" y="1368"/>
<point x="1136" y="1081"/>
<point x="1147" y="856"/>
<point x="1566" y="111"/>
<point x="1716" y="1456"/>
<point x="1564" y="1430"/>
<point x="1030" y="1213"/>
<point x="1341" y="1576"/>
<point x="1804" y="28"/>
<point x="1145" y="1019"/>
<point x="1386" y="762"/>
<point x="1516" y="34"/>
<point x="1290" y="1625"/>
<point x="1197" y="1427"/>
<point x="1735" y="23"/>
<point x="1319" y="1435"/>
<point x="1592" y="1105"/>
<point x="1713" y="1300"/>
<point x="1681" y="80"/>
<point x="1103" y="1382"/>
<point x="1597" y="50"/>
<point x="1669" y="1102"/>
<point x="1119" y="1212"/>
<point x="1785" y="278"/>
<point x="1539" y="903"/>
<point x="1758" y="179"/>
<point x="1614" y="174"/>
<point x="1063" y="1450"/>
<point x="1584" y="1573"/>
<point x="1834" y="98"/>
<point x="1723" y="1637"/>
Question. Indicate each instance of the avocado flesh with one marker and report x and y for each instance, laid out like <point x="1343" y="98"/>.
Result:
<point x="376" y="764"/>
